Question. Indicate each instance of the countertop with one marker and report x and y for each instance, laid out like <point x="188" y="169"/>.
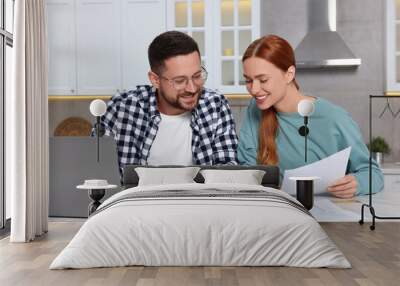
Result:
<point x="329" y="209"/>
<point x="386" y="203"/>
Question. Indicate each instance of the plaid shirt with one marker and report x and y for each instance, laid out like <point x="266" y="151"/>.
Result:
<point x="132" y="118"/>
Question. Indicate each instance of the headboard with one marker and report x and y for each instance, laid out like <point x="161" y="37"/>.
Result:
<point x="270" y="179"/>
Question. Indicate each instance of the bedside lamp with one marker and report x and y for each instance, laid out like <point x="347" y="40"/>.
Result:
<point x="98" y="108"/>
<point x="305" y="108"/>
<point x="305" y="185"/>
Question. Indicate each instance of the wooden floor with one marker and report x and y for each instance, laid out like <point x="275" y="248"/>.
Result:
<point x="374" y="255"/>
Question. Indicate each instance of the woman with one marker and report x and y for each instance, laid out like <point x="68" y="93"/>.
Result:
<point x="269" y="134"/>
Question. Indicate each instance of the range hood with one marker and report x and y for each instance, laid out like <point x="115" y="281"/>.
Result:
<point x="323" y="47"/>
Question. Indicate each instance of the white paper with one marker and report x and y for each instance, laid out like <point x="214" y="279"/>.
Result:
<point x="328" y="170"/>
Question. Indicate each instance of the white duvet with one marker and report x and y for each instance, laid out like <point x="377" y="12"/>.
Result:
<point x="183" y="231"/>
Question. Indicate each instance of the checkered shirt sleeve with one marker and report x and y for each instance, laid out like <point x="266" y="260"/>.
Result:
<point x="218" y="139"/>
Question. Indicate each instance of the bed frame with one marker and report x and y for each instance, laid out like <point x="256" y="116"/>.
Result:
<point x="270" y="179"/>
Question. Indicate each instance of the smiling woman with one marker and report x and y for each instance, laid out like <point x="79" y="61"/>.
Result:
<point x="269" y="134"/>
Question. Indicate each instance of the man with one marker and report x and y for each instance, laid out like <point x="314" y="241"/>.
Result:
<point x="176" y="121"/>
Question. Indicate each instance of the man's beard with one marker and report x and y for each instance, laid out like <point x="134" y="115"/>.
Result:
<point x="179" y="102"/>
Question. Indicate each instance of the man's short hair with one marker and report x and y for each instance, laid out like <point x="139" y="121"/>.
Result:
<point x="168" y="45"/>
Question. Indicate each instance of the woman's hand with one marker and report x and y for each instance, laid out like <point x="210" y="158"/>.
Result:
<point x="344" y="188"/>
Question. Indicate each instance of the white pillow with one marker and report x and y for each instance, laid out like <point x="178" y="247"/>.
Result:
<point x="249" y="177"/>
<point x="165" y="176"/>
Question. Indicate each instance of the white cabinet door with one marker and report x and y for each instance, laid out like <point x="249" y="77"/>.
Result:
<point x="237" y="25"/>
<point x="142" y="21"/>
<point x="98" y="47"/>
<point x="223" y="29"/>
<point x="61" y="43"/>
<point x="194" y="17"/>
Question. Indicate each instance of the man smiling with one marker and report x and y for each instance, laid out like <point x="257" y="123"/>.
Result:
<point x="176" y="121"/>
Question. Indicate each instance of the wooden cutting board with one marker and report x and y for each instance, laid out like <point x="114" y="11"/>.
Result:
<point x="73" y="126"/>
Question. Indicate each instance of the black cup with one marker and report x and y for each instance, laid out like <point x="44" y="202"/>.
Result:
<point x="305" y="193"/>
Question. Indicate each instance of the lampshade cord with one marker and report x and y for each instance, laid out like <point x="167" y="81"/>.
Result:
<point x="98" y="137"/>
<point x="305" y="137"/>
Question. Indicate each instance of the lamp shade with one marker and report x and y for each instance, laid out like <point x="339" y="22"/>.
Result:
<point x="98" y="107"/>
<point x="305" y="107"/>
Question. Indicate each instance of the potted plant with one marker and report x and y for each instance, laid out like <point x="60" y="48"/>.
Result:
<point x="379" y="147"/>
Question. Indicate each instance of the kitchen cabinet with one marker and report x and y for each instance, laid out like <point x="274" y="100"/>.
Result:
<point x="223" y="29"/>
<point x="391" y="173"/>
<point x="99" y="47"/>
<point x="61" y="43"/>
<point x="142" y="21"/>
<point x="72" y="161"/>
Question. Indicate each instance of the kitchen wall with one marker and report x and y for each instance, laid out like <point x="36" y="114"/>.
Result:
<point x="361" y="24"/>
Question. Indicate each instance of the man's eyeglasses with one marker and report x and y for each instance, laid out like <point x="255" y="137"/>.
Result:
<point x="181" y="82"/>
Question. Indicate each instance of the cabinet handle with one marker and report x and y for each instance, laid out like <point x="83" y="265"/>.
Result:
<point x="72" y="90"/>
<point x="118" y="90"/>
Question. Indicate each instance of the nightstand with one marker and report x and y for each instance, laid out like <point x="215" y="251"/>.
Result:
<point x="96" y="191"/>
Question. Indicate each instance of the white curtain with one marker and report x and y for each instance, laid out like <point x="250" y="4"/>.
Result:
<point x="27" y="124"/>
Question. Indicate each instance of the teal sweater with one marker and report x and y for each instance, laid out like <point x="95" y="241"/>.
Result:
<point x="331" y="130"/>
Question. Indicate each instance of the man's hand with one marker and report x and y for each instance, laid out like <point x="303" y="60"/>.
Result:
<point x="344" y="188"/>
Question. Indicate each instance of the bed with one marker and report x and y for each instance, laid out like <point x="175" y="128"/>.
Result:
<point x="201" y="223"/>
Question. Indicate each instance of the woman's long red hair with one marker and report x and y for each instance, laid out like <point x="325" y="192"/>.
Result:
<point x="277" y="51"/>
